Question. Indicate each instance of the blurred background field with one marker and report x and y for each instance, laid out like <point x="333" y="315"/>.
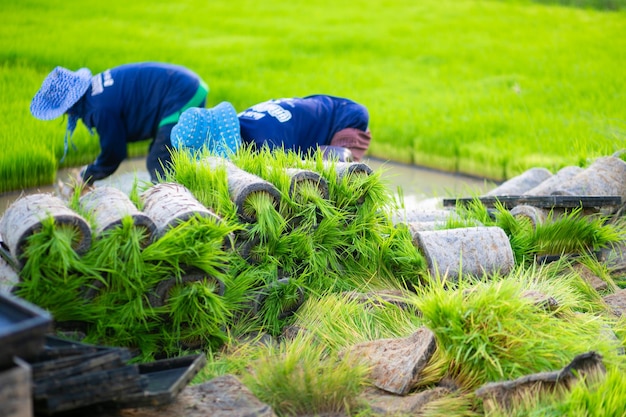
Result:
<point x="478" y="87"/>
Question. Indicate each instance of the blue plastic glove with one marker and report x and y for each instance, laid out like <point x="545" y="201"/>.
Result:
<point x="337" y="152"/>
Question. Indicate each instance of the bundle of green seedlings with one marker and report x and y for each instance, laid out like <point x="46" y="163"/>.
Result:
<point x="322" y="244"/>
<point x="568" y="233"/>
<point x="493" y="329"/>
<point x="54" y="277"/>
<point x="252" y="281"/>
<point x="309" y="372"/>
<point x="487" y="329"/>
<point x="109" y="292"/>
<point x="347" y="239"/>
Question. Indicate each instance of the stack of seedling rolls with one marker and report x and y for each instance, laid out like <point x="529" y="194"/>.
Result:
<point x="224" y="247"/>
<point x="304" y="225"/>
<point x="218" y="245"/>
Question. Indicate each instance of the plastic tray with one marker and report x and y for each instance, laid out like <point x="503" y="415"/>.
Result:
<point x="62" y="353"/>
<point x="23" y="328"/>
<point x="70" y="375"/>
<point x="88" y="389"/>
<point x="166" y="379"/>
<point x="50" y="373"/>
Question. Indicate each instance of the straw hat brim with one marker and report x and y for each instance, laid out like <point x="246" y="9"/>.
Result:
<point x="59" y="92"/>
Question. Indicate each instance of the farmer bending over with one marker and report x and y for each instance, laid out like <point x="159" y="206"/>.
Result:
<point x="336" y="125"/>
<point x="128" y="103"/>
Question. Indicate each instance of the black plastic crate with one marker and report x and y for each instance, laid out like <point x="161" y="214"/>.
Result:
<point x="45" y="373"/>
<point x="166" y="379"/>
<point x="23" y="328"/>
<point x="88" y="389"/>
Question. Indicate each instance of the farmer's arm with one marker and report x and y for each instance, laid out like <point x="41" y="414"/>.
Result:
<point x="112" y="148"/>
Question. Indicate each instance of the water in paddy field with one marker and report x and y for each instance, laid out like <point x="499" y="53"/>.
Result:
<point x="418" y="186"/>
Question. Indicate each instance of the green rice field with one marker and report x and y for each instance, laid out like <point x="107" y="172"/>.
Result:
<point x="487" y="88"/>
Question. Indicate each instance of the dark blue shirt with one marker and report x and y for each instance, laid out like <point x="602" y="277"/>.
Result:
<point x="300" y="124"/>
<point x="126" y="104"/>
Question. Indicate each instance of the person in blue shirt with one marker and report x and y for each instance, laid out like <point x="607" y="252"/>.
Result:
<point x="338" y="126"/>
<point x="127" y="103"/>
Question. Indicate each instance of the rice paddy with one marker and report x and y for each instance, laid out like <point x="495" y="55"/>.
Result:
<point x="488" y="88"/>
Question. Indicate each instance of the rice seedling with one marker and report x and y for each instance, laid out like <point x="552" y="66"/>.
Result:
<point x="490" y="332"/>
<point x="53" y="275"/>
<point x="596" y="395"/>
<point x="302" y="377"/>
<point x="567" y="233"/>
<point x="471" y="214"/>
<point x="276" y="301"/>
<point x="399" y="260"/>
<point x="619" y="327"/>
<point x="195" y="315"/>
<point x="197" y="242"/>
<point x="574" y="233"/>
<point x="605" y="5"/>
<point x="322" y="248"/>
<point x="117" y="256"/>
<point x="602" y="397"/>
<point x="458" y="405"/>
<point x="115" y="279"/>
<point x="237" y="355"/>
<point x="355" y="189"/>
<point x="562" y="283"/>
<point x="337" y="321"/>
<point x="134" y="194"/>
<point x="268" y="297"/>
<point x="269" y="223"/>
<point x="599" y="269"/>
<point x="240" y="291"/>
<point x="127" y="322"/>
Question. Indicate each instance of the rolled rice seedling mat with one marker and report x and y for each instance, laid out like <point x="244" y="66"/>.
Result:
<point x="245" y="246"/>
<point x="604" y="177"/>
<point x="536" y="215"/>
<point x="109" y="205"/>
<point x="420" y="226"/>
<point x="471" y="250"/>
<point x="242" y="184"/>
<point x="300" y="176"/>
<point x="5" y="253"/>
<point x="160" y="296"/>
<point x="521" y="183"/>
<point x="344" y="170"/>
<point x="423" y="216"/>
<point x="263" y="292"/>
<point x="24" y="218"/>
<point x="306" y="187"/>
<point x="8" y="276"/>
<point x="169" y="204"/>
<point x="549" y="185"/>
<point x="503" y="395"/>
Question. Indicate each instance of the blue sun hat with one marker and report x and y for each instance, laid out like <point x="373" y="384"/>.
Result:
<point x="216" y="128"/>
<point x="60" y="90"/>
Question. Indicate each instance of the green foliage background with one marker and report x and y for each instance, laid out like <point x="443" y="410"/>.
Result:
<point x="482" y="87"/>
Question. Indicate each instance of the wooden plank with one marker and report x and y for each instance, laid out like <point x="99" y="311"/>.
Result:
<point x="550" y="201"/>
